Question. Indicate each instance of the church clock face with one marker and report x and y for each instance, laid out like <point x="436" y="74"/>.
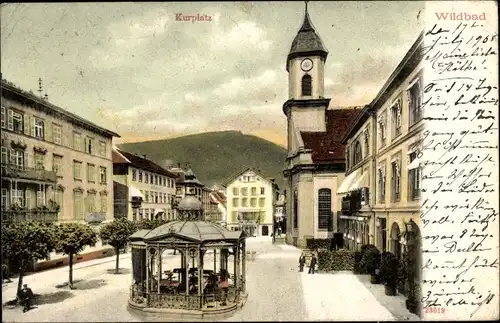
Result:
<point x="306" y="65"/>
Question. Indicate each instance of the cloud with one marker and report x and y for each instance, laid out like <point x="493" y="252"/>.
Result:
<point x="128" y="37"/>
<point x="244" y="35"/>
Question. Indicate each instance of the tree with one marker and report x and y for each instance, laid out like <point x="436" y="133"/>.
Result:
<point x="71" y="239"/>
<point x="24" y="242"/>
<point x="116" y="233"/>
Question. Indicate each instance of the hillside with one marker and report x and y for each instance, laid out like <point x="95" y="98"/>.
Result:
<point x="215" y="156"/>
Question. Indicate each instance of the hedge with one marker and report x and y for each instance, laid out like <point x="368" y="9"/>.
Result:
<point x="316" y="244"/>
<point x="336" y="260"/>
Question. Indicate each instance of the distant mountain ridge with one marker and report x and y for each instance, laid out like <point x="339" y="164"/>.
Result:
<point x="216" y="156"/>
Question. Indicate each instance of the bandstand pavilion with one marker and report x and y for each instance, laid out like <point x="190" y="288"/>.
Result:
<point x="177" y="291"/>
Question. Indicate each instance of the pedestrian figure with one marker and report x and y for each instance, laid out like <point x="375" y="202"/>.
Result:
<point x="302" y="262"/>
<point x="312" y="265"/>
<point x="279" y="231"/>
<point x="26" y="298"/>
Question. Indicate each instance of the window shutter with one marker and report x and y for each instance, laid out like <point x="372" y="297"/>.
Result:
<point x="10" y="124"/>
<point x="26" y="122"/>
<point x="47" y="131"/>
<point x="32" y="125"/>
<point x="12" y="157"/>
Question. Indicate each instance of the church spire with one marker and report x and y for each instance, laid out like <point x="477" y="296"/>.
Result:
<point x="306" y="26"/>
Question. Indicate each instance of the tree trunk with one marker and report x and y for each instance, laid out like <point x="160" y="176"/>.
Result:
<point x="21" y="276"/>
<point x="117" y="250"/>
<point x="71" y="271"/>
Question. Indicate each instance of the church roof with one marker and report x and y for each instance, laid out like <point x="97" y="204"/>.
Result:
<point x="327" y="147"/>
<point x="307" y="40"/>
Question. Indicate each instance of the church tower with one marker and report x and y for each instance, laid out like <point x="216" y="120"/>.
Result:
<point x="306" y="105"/>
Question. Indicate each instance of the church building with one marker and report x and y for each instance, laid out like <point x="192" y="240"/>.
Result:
<point x="315" y="163"/>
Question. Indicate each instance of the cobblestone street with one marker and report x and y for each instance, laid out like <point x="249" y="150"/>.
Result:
<point x="277" y="292"/>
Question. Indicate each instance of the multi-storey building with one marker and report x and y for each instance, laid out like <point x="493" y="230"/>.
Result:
<point x="251" y="200"/>
<point x="142" y="189"/>
<point x="218" y="200"/>
<point x="49" y="154"/>
<point x="382" y="185"/>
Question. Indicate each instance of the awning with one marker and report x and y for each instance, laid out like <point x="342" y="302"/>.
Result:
<point x="362" y="181"/>
<point x="134" y="192"/>
<point x="414" y="164"/>
<point x="348" y="181"/>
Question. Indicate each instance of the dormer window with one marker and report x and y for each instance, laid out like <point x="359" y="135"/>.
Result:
<point x="306" y="85"/>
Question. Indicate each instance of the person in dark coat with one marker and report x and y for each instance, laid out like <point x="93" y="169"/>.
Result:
<point x="26" y="297"/>
<point x="312" y="265"/>
<point x="302" y="262"/>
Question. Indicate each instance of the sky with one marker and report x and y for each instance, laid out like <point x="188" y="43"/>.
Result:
<point x="136" y="69"/>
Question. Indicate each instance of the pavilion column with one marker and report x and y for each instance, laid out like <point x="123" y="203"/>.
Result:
<point x="148" y="257"/>
<point x="244" y="265"/>
<point x="187" y="271"/>
<point x="237" y="266"/>
<point x="158" y="258"/>
<point x="221" y="259"/>
<point x="200" y="277"/>
<point x="215" y="260"/>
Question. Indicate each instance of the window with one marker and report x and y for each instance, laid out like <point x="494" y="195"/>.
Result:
<point x="415" y="178"/>
<point x="262" y="190"/>
<point x="156" y="179"/>
<point x="39" y="161"/>
<point x="102" y="175"/>
<point x="17" y="197"/>
<point x="140" y="176"/>
<point x="57" y="165"/>
<point x="306" y="85"/>
<point x="253" y="202"/>
<point x="134" y="175"/>
<point x="90" y="203"/>
<point x="17" y="122"/>
<point x="156" y="197"/>
<point x="59" y="199"/>
<point x="236" y="191"/>
<point x="358" y="154"/>
<point x="39" y="198"/>
<point x="262" y="202"/>
<point x="77" y="170"/>
<point x="235" y="202"/>
<point x="89" y="145"/>
<point x="57" y="134"/>
<point x="147" y="196"/>
<point x="415" y="102"/>
<point x="5" y="202"/>
<point x="244" y="202"/>
<point x="382" y="130"/>
<point x="396" y="119"/>
<point x="29" y="199"/>
<point x="324" y="208"/>
<point x="77" y="141"/>
<point x="102" y="148"/>
<point x="366" y="138"/>
<point x="395" y="180"/>
<point x="244" y="191"/>
<point x="39" y="128"/>
<point x="104" y="203"/>
<point x="5" y="159"/>
<point x="3" y="118"/>
<point x="381" y="185"/>
<point x="17" y="158"/>
<point x="91" y="173"/>
<point x="78" y="205"/>
<point x="254" y="191"/>
<point x="295" y="210"/>
<point x="146" y="178"/>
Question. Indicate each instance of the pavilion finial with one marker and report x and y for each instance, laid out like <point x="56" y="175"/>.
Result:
<point x="306" y="5"/>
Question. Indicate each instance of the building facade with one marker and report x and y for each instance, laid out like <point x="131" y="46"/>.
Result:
<point x="250" y="202"/>
<point x="381" y="192"/>
<point x="142" y="189"/>
<point x="51" y="155"/>
<point x="315" y="163"/>
<point x="188" y="184"/>
<point x="218" y="197"/>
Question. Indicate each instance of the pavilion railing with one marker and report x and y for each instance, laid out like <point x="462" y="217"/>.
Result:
<point x="213" y="300"/>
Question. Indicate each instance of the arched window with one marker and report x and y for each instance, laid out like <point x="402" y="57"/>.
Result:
<point x="295" y="211"/>
<point x="306" y="85"/>
<point x="358" y="154"/>
<point x="324" y="208"/>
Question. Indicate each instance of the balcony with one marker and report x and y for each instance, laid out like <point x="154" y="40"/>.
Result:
<point x="354" y="201"/>
<point x="13" y="216"/>
<point x="40" y="175"/>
